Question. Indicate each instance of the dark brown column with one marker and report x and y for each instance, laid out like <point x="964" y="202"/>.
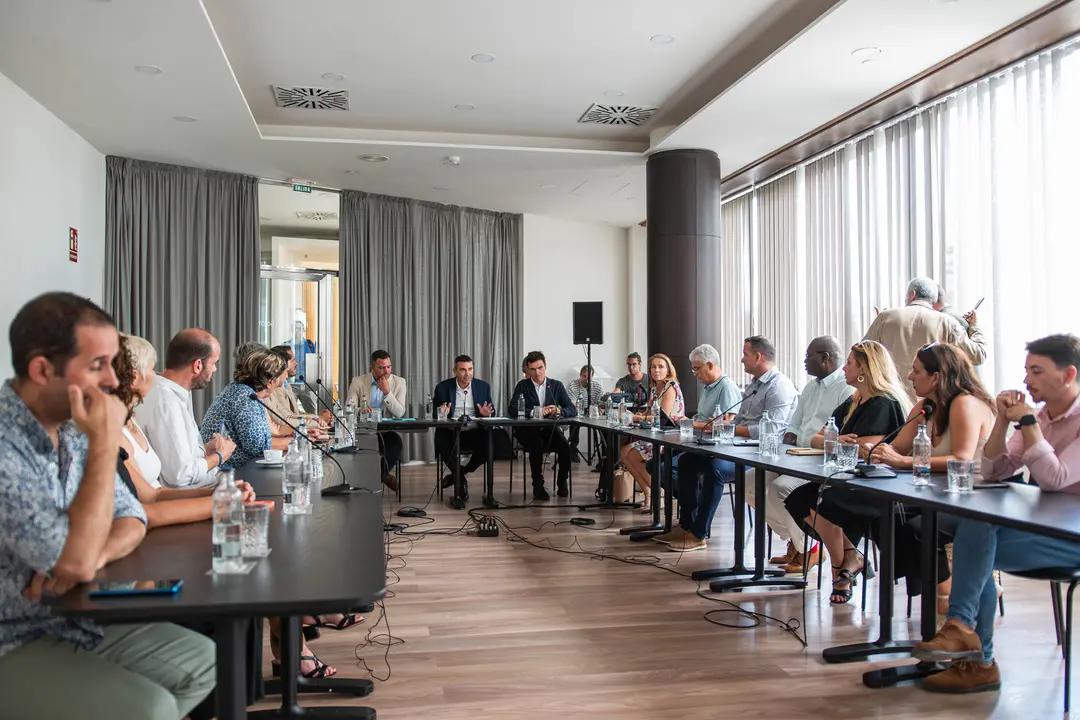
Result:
<point x="683" y="239"/>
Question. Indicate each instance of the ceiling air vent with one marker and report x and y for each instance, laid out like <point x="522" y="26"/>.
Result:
<point x="317" y="215"/>
<point x="616" y="115"/>
<point x="311" y="98"/>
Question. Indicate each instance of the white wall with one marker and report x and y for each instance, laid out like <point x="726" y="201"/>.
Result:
<point x="50" y="180"/>
<point x="566" y="262"/>
<point x="637" y="287"/>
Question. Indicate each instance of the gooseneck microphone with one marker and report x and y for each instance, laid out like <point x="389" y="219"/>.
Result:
<point x="330" y="410"/>
<point x="869" y="469"/>
<point x="296" y="431"/>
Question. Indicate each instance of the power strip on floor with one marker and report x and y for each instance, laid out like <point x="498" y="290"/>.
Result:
<point x="487" y="527"/>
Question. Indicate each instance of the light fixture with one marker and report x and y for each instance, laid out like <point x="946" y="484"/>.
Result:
<point x="185" y="119"/>
<point x="148" y="69"/>
<point x="464" y="106"/>
<point x="866" y="54"/>
<point x="350" y="172"/>
<point x="483" y="58"/>
<point x="440" y="187"/>
<point x="661" y="39"/>
<point x="613" y="93"/>
<point x="333" y="77"/>
<point x="548" y="187"/>
<point x="373" y="158"/>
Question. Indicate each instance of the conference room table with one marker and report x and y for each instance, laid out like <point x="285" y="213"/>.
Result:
<point x="325" y="562"/>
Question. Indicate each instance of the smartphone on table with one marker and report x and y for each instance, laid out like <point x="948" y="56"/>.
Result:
<point x="135" y="587"/>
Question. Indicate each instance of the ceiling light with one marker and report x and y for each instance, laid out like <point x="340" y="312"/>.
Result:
<point x="440" y="187"/>
<point x="661" y="39"/>
<point x="465" y="106"/>
<point x="373" y="158"/>
<point x="483" y="58"/>
<point x="148" y="69"/>
<point x="612" y="93"/>
<point x="866" y="54"/>
<point x="333" y="77"/>
<point x="548" y="187"/>
<point x="185" y="118"/>
<point x="350" y="172"/>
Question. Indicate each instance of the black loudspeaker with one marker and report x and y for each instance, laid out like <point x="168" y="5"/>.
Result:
<point x="588" y="323"/>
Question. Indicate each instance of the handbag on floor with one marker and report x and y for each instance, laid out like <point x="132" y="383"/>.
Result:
<point x="622" y="486"/>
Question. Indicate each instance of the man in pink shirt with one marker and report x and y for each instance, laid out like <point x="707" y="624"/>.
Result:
<point x="1047" y="442"/>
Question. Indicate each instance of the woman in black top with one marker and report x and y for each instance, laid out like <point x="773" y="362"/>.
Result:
<point x="877" y="408"/>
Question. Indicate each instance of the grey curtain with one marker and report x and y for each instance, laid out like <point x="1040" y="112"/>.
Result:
<point x="427" y="282"/>
<point x="182" y="250"/>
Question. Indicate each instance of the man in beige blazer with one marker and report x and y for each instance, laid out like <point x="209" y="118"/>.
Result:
<point x="380" y="389"/>
<point x="904" y="330"/>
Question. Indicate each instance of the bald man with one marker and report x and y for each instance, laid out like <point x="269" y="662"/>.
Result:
<point x="168" y="420"/>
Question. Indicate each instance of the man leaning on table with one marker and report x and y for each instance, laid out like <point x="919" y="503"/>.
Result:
<point x="64" y="514"/>
<point x="1047" y="443"/>
<point x="381" y="389"/>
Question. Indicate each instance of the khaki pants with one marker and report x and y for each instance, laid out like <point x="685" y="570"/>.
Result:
<point x="777" y="488"/>
<point x="141" y="672"/>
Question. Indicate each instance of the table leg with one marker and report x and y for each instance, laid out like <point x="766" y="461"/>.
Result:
<point x="644" y="532"/>
<point x="762" y="577"/>
<point x="229" y="636"/>
<point x="661" y="482"/>
<point x="291" y="684"/>
<point x="489" y="470"/>
<point x="458" y="502"/>
<point x="607" y="479"/>
<point x="739" y="568"/>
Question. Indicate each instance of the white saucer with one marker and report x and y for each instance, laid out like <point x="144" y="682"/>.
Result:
<point x="269" y="463"/>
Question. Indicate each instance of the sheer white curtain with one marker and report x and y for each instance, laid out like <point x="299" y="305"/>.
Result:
<point x="735" y="286"/>
<point x="776" y="254"/>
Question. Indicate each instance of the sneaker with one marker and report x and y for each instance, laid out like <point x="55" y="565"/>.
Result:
<point x="677" y="533"/>
<point x="951" y="643"/>
<point x="788" y="557"/>
<point x="539" y="493"/>
<point x="688" y="543"/>
<point x="965" y="677"/>
<point x="800" y="562"/>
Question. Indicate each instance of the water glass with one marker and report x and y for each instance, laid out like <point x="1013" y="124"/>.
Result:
<point x="256" y="531"/>
<point x="847" y="456"/>
<point x="725" y="433"/>
<point x="769" y="445"/>
<point x="594" y="411"/>
<point x="686" y="428"/>
<point x="961" y="475"/>
<point x="444" y="411"/>
<point x="376" y="415"/>
<point x="296" y="496"/>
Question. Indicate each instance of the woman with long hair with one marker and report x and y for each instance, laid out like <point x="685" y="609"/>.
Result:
<point x="663" y="387"/>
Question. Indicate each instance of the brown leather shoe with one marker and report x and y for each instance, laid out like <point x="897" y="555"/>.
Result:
<point x="390" y="481"/>
<point x="677" y="533"/>
<point x="965" y="677"/>
<point x="785" y="559"/>
<point x="801" y="561"/>
<point x="951" y="643"/>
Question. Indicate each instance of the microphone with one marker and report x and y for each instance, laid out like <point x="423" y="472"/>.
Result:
<point x="333" y="414"/>
<point x="296" y="431"/>
<point x="869" y="469"/>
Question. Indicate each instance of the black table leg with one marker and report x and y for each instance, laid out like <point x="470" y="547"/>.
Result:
<point x="739" y="568"/>
<point x="643" y="532"/>
<point x="292" y="683"/>
<point x="458" y="502"/>
<point x="230" y="638"/>
<point x="762" y="577"/>
<point x="888" y="677"/>
<point x="661" y="478"/>
<point x="607" y="479"/>
<point x="489" y="470"/>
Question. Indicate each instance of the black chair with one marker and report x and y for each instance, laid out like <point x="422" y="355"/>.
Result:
<point x="519" y="451"/>
<point x="1058" y="577"/>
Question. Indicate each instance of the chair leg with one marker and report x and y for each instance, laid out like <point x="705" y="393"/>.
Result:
<point x="1055" y="603"/>
<point x="865" y="583"/>
<point x="909" y="607"/>
<point x="821" y="565"/>
<point x="768" y="550"/>
<point x="1068" y="641"/>
<point x="397" y="470"/>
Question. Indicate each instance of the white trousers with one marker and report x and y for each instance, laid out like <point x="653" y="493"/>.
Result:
<point x="777" y="488"/>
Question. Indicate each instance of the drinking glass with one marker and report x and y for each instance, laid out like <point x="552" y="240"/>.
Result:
<point x="961" y="475"/>
<point x="376" y="415"/>
<point x="726" y="434"/>
<point x="594" y="411"/>
<point x="769" y="445"/>
<point x="686" y="428"/>
<point x="256" y="531"/>
<point x="444" y="411"/>
<point x="847" y="456"/>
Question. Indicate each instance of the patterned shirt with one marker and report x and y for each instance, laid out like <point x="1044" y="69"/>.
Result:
<point x="577" y="393"/>
<point x="244" y="420"/>
<point x="38" y="482"/>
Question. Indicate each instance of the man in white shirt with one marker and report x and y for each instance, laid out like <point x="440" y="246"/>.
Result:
<point x="819" y="398"/>
<point x="168" y="419"/>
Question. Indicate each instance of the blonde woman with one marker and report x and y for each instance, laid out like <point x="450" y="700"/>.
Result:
<point x="877" y="408"/>
<point x="663" y="385"/>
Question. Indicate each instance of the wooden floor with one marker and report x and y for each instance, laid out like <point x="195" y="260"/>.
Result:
<point x="493" y="628"/>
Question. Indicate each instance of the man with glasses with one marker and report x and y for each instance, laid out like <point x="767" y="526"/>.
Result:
<point x="633" y="383"/>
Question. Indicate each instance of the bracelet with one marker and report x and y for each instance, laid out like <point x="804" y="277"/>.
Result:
<point x="220" y="460"/>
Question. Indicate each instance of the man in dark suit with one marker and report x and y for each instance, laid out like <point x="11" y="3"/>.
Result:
<point x="551" y="398"/>
<point x="462" y="396"/>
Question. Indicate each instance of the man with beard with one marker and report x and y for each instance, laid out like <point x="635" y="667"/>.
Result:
<point x="168" y="419"/>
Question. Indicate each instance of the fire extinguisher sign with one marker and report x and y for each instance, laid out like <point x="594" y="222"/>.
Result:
<point x="73" y="245"/>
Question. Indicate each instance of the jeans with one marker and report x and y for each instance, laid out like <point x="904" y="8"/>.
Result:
<point x="698" y="501"/>
<point x="979" y="549"/>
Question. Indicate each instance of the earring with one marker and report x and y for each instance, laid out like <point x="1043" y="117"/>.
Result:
<point x="861" y="379"/>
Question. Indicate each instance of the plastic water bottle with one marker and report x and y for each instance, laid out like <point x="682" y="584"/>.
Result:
<point x="521" y="407"/>
<point x="350" y="417"/>
<point x="228" y="516"/>
<point x="622" y="413"/>
<point x="655" y="412"/>
<point x="832" y="436"/>
<point x="429" y="406"/>
<point x="920" y="451"/>
<point x="303" y="447"/>
<point x="609" y="412"/>
<point x="294" y="487"/>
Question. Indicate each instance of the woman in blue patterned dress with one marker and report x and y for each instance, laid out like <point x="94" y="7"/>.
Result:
<point x="663" y="384"/>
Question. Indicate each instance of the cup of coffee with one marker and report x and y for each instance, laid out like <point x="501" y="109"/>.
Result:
<point x="272" y="455"/>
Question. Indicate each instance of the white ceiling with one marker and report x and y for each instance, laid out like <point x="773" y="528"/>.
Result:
<point x="279" y="205"/>
<point x="407" y="63"/>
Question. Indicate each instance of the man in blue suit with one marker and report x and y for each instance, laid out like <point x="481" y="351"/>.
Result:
<point x="462" y="396"/>
<point x="540" y="391"/>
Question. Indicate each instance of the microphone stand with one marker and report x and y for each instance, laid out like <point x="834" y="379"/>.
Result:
<point x="337" y="420"/>
<point x="344" y="486"/>
<point x="869" y="469"/>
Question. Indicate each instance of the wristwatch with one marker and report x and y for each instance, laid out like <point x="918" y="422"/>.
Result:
<point x="1025" y="421"/>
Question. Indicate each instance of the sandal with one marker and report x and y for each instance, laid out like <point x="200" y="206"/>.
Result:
<point x="646" y="506"/>
<point x="844" y="577"/>
<point x="346" y="622"/>
<point x="320" y="672"/>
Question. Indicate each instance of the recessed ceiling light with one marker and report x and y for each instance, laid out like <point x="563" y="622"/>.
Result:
<point x="148" y="69"/>
<point x="661" y="39"/>
<point x="373" y="158"/>
<point x="483" y="58"/>
<point x="440" y="187"/>
<point x="464" y="106"/>
<point x="548" y="187"/>
<point x="185" y="119"/>
<point x="350" y="172"/>
<point x="333" y="77"/>
<point x="613" y="93"/>
<point x="866" y="54"/>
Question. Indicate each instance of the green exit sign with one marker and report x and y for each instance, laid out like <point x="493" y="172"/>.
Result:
<point x="301" y="188"/>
